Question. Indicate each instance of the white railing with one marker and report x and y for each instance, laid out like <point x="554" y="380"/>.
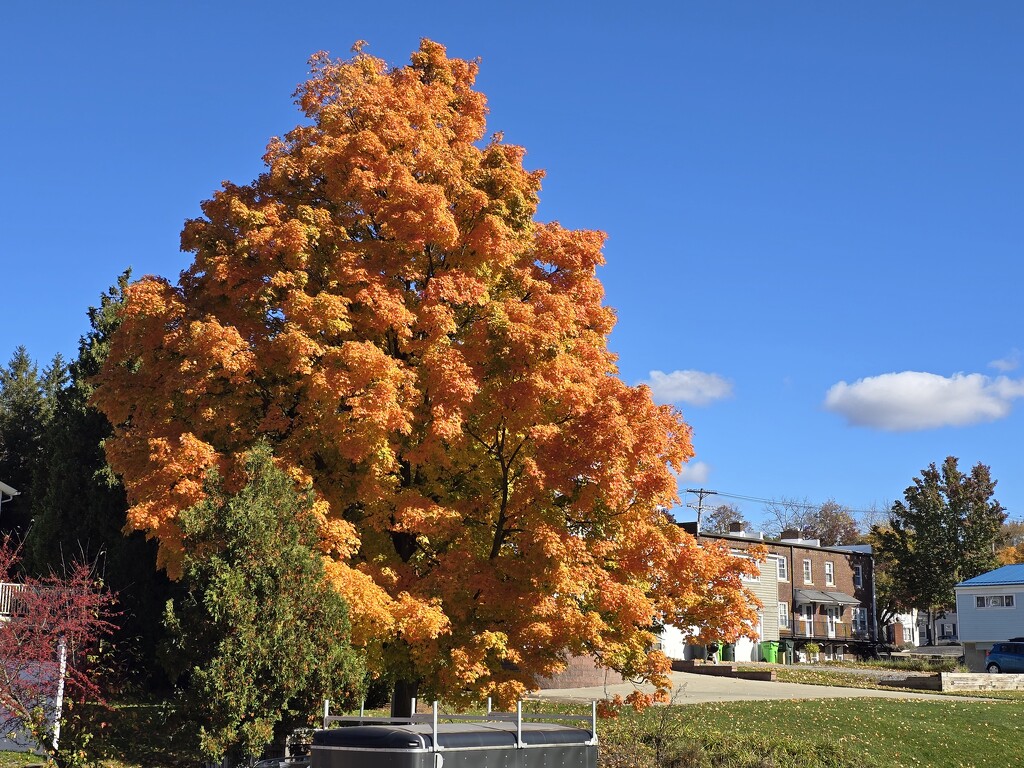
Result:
<point x="435" y="715"/>
<point x="8" y="592"/>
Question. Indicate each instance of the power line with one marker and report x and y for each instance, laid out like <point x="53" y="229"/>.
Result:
<point x="701" y="493"/>
<point x="786" y="502"/>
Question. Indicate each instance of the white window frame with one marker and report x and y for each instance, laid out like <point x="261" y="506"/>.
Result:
<point x="830" y="573"/>
<point x="808" y="572"/>
<point x="782" y="568"/>
<point x="860" y="619"/>
<point x="858" y="575"/>
<point x="908" y="634"/>
<point x="783" y="615"/>
<point x="994" y="601"/>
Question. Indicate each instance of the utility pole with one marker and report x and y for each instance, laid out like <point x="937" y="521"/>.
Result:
<point x="701" y="493"/>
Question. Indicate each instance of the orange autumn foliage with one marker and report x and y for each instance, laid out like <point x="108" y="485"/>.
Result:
<point x="382" y="307"/>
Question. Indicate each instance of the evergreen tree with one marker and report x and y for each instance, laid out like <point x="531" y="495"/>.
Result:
<point x="260" y="638"/>
<point x="26" y="408"/>
<point x="942" y="533"/>
<point x="79" y="505"/>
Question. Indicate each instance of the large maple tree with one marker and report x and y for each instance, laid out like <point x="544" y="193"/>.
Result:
<point x="383" y="308"/>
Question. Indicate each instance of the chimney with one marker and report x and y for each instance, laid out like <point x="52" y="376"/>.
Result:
<point x="736" y="528"/>
<point x="791" y="533"/>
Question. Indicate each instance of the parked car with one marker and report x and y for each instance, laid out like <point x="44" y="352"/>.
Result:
<point x="1005" y="657"/>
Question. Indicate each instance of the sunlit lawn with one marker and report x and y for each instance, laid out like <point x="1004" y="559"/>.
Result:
<point x="18" y="759"/>
<point x="848" y="679"/>
<point x="880" y="731"/>
<point x="861" y="732"/>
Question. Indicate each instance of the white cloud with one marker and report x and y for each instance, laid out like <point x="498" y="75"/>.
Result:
<point x="696" y="472"/>
<point x="912" y="400"/>
<point x="1009" y="363"/>
<point x="693" y="387"/>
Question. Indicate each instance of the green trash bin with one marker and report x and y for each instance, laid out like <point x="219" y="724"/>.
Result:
<point x="727" y="651"/>
<point x="770" y="651"/>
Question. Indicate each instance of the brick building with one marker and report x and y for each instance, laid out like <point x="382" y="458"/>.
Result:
<point x="823" y="594"/>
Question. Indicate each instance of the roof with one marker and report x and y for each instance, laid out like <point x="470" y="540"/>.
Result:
<point x="805" y="596"/>
<point x="750" y="537"/>
<point x="1008" y="574"/>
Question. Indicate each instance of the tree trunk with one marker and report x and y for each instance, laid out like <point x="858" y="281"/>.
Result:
<point x="402" y="696"/>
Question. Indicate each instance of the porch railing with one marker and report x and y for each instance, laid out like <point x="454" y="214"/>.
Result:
<point x="8" y="598"/>
<point x="819" y="629"/>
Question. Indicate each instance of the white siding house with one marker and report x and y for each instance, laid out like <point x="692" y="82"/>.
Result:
<point x="989" y="610"/>
<point x="765" y="588"/>
<point x="675" y="641"/>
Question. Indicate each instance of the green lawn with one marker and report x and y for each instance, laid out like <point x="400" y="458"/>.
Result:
<point x="847" y="732"/>
<point x="836" y="733"/>
<point x="849" y="679"/>
<point x="18" y="760"/>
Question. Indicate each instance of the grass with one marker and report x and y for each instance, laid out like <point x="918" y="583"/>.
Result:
<point x="812" y="676"/>
<point x="832" y="733"/>
<point x="850" y="732"/>
<point x="18" y="760"/>
<point x="949" y="664"/>
<point x="842" y="675"/>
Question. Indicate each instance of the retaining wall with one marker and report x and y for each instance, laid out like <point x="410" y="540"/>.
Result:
<point x="980" y="681"/>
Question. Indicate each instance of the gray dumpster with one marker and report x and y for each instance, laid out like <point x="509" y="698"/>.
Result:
<point x="496" y="740"/>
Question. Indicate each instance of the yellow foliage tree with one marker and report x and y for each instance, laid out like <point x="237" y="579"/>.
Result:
<point x="382" y="308"/>
<point x="1011" y="555"/>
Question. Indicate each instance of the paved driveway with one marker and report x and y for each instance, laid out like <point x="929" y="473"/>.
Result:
<point x="696" y="689"/>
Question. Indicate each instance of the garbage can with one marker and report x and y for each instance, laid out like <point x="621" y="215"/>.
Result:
<point x="786" y="651"/>
<point x="770" y="651"/>
<point x="711" y="651"/>
<point x="728" y="651"/>
<point x="423" y="742"/>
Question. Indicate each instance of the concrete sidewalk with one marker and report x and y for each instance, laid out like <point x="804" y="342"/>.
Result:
<point x="689" y="688"/>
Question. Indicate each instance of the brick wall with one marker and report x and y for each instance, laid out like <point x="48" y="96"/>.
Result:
<point x="843" y="571"/>
<point x="582" y="672"/>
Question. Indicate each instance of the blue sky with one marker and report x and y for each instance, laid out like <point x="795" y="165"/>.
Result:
<point x="814" y="209"/>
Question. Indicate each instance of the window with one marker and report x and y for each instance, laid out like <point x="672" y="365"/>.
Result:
<point x="807" y="572"/>
<point x="782" y="564"/>
<point x="783" y="615"/>
<point x="858" y="576"/>
<point x="994" y="601"/>
<point x="860" y="620"/>
<point x="830" y="572"/>
<point x="908" y="634"/>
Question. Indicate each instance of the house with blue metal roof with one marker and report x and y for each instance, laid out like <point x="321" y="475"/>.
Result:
<point x="990" y="610"/>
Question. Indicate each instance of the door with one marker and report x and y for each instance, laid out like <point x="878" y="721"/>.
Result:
<point x="807" y="612"/>
<point x="830" y="620"/>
